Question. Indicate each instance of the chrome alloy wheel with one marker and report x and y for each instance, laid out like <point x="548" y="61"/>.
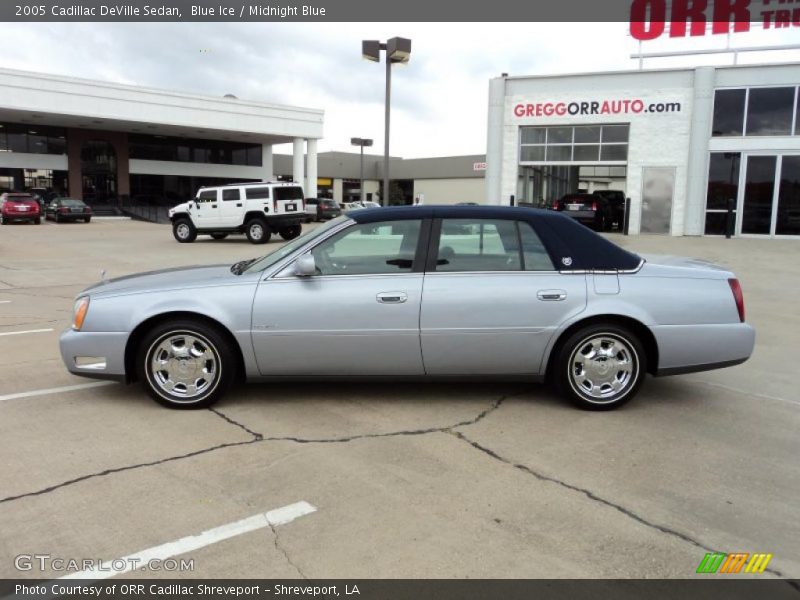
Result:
<point x="183" y="366"/>
<point x="183" y="231"/>
<point x="603" y="368"/>
<point x="256" y="231"/>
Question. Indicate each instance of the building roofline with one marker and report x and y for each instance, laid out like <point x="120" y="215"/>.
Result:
<point x="639" y="71"/>
<point x="161" y="91"/>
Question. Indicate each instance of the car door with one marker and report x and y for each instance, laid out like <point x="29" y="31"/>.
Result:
<point x="492" y="298"/>
<point x="232" y="208"/>
<point x="207" y="211"/>
<point x="359" y="315"/>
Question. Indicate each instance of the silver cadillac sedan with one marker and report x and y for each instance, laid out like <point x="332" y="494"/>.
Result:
<point x="426" y="291"/>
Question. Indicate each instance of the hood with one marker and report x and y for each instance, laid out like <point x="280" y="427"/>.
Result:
<point x="681" y="266"/>
<point x="182" y="207"/>
<point x="165" y="279"/>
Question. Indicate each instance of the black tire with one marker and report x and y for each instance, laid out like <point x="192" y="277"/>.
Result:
<point x="219" y="236"/>
<point x="289" y="233"/>
<point x="257" y="231"/>
<point x="214" y="374"/>
<point x="627" y="367"/>
<point x="87" y="220"/>
<point x="184" y="230"/>
<point x="38" y="220"/>
<point x="3" y="221"/>
<point x="56" y="218"/>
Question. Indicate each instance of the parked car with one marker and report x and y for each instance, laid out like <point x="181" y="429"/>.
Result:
<point x="589" y="209"/>
<point x="17" y="206"/>
<point x="511" y="292"/>
<point x="42" y="195"/>
<point x="68" y="209"/>
<point x="255" y="209"/>
<point x="616" y="202"/>
<point x="358" y="205"/>
<point x="321" y="209"/>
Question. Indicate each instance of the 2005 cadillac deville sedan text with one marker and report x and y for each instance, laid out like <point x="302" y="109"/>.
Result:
<point x="417" y="292"/>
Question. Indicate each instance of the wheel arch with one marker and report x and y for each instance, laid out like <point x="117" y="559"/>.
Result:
<point x="641" y="330"/>
<point x="139" y="332"/>
<point x="254" y="214"/>
<point x="180" y="215"/>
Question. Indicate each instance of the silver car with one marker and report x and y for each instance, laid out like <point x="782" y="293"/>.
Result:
<point x="424" y="291"/>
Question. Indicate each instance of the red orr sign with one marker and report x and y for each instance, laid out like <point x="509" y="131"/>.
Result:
<point x="689" y="17"/>
<point x="595" y="107"/>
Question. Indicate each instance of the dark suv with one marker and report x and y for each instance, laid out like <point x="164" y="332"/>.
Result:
<point x="616" y="201"/>
<point x="320" y="209"/>
<point x="590" y="209"/>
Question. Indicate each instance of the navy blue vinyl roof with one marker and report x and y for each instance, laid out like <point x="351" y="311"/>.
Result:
<point x="571" y="245"/>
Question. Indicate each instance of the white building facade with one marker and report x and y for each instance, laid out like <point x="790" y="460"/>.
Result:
<point x="680" y="143"/>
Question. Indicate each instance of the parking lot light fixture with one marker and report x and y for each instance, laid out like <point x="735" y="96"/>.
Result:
<point x="398" y="50"/>
<point x="361" y="142"/>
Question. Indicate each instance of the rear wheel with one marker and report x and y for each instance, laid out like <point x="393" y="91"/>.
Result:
<point x="289" y="233"/>
<point x="600" y="367"/>
<point x="219" y="236"/>
<point x="87" y="220"/>
<point x="185" y="364"/>
<point x="38" y="220"/>
<point x="257" y="231"/>
<point x="184" y="231"/>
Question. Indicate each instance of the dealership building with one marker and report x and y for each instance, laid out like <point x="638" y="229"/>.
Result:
<point x="680" y="143"/>
<point x="107" y="143"/>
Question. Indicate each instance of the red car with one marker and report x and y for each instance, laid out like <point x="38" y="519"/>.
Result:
<point x="19" y="207"/>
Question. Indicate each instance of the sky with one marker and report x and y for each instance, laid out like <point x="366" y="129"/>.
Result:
<point x="439" y="99"/>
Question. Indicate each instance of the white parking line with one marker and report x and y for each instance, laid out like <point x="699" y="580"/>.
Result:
<point x="5" y="301"/>
<point x="57" y="390"/>
<point x="279" y="516"/>
<point x="28" y="331"/>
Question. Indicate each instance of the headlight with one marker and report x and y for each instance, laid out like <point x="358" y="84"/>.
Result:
<point x="79" y="312"/>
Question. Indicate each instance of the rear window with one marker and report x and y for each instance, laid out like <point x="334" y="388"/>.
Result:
<point x="328" y="203"/>
<point x="70" y="202"/>
<point x="288" y="193"/>
<point x="20" y="198"/>
<point x="257" y="193"/>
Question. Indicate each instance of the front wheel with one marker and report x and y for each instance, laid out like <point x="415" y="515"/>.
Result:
<point x="184" y="231"/>
<point x="257" y="231"/>
<point x="185" y="364"/>
<point x="600" y="367"/>
<point x="289" y="233"/>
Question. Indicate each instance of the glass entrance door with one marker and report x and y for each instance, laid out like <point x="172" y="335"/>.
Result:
<point x="769" y="199"/>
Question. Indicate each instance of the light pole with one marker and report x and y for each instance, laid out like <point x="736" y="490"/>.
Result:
<point x="398" y="50"/>
<point x="361" y="142"/>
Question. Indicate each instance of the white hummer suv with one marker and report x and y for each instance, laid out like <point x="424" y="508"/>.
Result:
<point x="256" y="209"/>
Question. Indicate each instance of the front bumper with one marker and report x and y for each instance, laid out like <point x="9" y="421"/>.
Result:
<point x="98" y="355"/>
<point x="692" y="348"/>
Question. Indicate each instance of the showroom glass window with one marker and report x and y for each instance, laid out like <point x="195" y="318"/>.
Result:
<point x="481" y="245"/>
<point x="36" y="139"/>
<point x="580" y="143"/>
<point x="728" y="112"/>
<point x="723" y="185"/>
<point x="770" y="111"/>
<point x="369" y="249"/>
<point x="221" y="152"/>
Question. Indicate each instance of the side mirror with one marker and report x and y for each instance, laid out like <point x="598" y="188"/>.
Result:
<point x="305" y="266"/>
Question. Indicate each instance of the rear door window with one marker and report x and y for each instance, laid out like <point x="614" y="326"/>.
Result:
<point x="232" y="194"/>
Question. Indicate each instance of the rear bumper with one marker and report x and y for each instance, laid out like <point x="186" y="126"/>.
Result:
<point x="692" y="348"/>
<point x="279" y="222"/>
<point x="97" y="355"/>
<point x="25" y="216"/>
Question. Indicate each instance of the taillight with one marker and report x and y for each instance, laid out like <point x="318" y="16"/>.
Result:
<point x="594" y="205"/>
<point x="738" y="297"/>
<point x="87" y="209"/>
<point x="556" y="205"/>
<point x="63" y="209"/>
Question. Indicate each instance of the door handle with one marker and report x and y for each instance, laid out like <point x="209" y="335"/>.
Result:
<point x="213" y="206"/>
<point x="551" y="295"/>
<point x="239" y="205"/>
<point x="391" y="297"/>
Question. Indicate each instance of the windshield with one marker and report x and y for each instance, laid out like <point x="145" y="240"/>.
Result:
<point x="285" y="250"/>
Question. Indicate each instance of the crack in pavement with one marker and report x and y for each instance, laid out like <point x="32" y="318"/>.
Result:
<point x="598" y="499"/>
<point x="257" y="438"/>
<point x="283" y="551"/>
